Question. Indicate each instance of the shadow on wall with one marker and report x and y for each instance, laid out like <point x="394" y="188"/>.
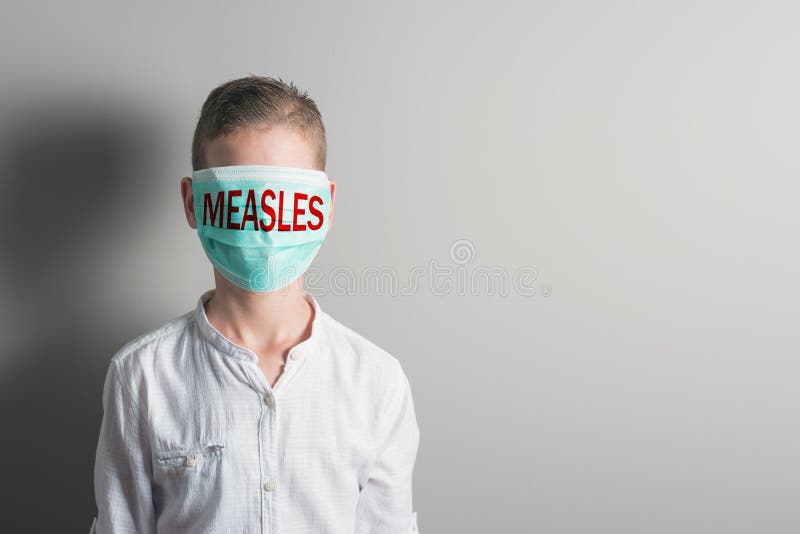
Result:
<point x="67" y="171"/>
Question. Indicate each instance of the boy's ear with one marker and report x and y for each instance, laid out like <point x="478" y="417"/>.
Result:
<point x="333" y="202"/>
<point x="187" y="197"/>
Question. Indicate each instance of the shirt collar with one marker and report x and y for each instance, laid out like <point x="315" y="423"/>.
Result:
<point x="229" y="348"/>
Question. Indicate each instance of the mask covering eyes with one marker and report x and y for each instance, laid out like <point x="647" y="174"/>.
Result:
<point x="261" y="225"/>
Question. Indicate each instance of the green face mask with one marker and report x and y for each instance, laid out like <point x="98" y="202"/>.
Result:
<point x="261" y="225"/>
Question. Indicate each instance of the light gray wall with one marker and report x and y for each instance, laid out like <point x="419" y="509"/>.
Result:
<point x="640" y="156"/>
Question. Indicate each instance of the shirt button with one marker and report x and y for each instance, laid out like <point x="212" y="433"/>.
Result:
<point x="191" y="460"/>
<point x="294" y="355"/>
<point x="269" y="485"/>
<point x="268" y="400"/>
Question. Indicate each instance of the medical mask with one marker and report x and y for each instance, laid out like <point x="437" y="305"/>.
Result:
<point x="261" y="225"/>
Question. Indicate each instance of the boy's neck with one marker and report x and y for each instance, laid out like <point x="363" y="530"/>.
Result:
<point x="260" y="322"/>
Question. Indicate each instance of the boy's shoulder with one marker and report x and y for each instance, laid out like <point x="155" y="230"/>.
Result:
<point x="354" y="348"/>
<point x="363" y="366"/>
<point x="147" y="342"/>
<point x="350" y="349"/>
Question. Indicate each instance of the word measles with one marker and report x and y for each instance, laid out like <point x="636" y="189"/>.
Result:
<point x="223" y="205"/>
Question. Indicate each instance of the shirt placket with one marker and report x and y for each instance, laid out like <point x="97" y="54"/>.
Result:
<point x="268" y="451"/>
<point x="268" y="438"/>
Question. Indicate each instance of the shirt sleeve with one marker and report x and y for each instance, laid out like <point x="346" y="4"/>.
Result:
<point x="385" y="500"/>
<point x="123" y="463"/>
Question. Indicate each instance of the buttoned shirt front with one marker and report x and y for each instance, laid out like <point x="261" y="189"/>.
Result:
<point x="195" y="440"/>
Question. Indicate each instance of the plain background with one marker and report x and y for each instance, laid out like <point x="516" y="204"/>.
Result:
<point x="641" y="156"/>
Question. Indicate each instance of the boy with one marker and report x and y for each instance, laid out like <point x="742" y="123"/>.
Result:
<point x="256" y="412"/>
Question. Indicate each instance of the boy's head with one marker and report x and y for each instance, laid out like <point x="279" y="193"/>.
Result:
<point x="247" y="107"/>
<point x="258" y="156"/>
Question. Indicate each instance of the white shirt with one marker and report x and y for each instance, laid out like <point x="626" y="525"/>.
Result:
<point x="194" y="439"/>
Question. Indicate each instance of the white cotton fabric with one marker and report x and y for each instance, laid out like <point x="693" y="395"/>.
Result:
<point x="194" y="440"/>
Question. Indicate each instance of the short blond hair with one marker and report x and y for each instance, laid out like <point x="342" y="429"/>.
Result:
<point x="257" y="101"/>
